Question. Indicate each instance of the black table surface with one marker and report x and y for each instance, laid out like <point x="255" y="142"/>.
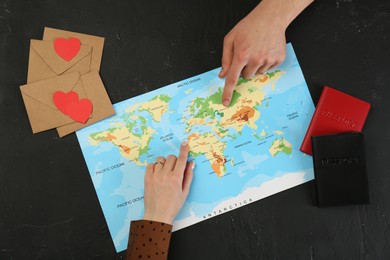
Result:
<point x="48" y="205"/>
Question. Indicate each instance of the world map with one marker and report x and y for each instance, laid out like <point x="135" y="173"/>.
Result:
<point x="243" y="153"/>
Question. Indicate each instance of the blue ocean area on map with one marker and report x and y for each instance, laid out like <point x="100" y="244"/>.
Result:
<point x="242" y="154"/>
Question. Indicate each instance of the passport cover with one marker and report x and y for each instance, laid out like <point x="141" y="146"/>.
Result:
<point x="336" y="112"/>
<point x="340" y="169"/>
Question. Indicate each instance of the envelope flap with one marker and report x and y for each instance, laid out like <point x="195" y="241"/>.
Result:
<point x="45" y="49"/>
<point x="43" y="91"/>
<point x="96" y="42"/>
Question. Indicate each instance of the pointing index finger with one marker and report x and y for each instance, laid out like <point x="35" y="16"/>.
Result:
<point x="227" y="56"/>
<point x="231" y="81"/>
<point x="182" y="158"/>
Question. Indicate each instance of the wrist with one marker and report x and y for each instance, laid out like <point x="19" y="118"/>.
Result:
<point x="268" y="12"/>
<point x="158" y="218"/>
<point x="280" y="12"/>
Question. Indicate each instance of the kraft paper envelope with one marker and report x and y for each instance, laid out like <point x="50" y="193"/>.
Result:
<point x="102" y="106"/>
<point x="95" y="42"/>
<point x="38" y="99"/>
<point x="45" y="63"/>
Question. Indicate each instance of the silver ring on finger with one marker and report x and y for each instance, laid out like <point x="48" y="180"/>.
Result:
<point x="160" y="160"/>
<point x="159" y="163"/>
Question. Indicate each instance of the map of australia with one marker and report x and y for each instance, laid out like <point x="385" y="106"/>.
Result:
<point x="243" y="152"/>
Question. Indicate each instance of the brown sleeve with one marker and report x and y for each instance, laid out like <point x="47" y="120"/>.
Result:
<point x="148" y="240"/>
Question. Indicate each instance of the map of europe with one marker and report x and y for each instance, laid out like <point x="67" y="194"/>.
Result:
<point x="243" y="153"/>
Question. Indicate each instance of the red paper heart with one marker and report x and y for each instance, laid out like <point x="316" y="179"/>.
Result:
<point x="69" y="104"/>
<point x="67" y="49"/>
<point x="80" y="111"/>
<point x="62" y="100"/>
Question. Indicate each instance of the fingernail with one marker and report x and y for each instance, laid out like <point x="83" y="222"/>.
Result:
<point x="184" y="144"/>
<point x="193" y="165"/>
<point x="226" y="103"/>
<point x="220" y="73"/>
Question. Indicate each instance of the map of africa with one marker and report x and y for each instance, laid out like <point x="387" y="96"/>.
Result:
<point x="243" y="153"/>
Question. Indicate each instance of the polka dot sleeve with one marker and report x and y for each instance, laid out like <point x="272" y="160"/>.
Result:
<point x="148" y="240"/>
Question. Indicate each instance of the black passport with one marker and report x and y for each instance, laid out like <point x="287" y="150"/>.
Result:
<point x="340" y="169"/>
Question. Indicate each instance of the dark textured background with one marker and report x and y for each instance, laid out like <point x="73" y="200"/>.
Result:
<point x="48" y="206"/>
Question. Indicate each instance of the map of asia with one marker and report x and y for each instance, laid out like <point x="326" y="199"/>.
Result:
<point x="242" y="153"/>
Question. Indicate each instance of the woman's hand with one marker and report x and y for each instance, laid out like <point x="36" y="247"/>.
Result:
<point x="167" y="183"/>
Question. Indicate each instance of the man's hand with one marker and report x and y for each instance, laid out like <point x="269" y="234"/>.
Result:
<point x="167" y="183"/>
<point x="257" y="43"/>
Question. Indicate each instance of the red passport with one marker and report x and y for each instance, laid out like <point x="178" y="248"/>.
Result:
<point x="336" y="113"/>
